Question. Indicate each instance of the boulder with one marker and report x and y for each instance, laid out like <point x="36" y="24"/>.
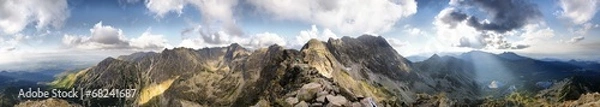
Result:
<point x="348" y="94"/>
<point x="301" y="104"/>
<point x="316" y="105"/>
<point x="336" y="100"/>
<point x="322" y="93"/>
<point x="368" y="102"/>
<point x="291" y="100"/>
<point x="308" y="91"/>
<point x="356" y="104"/>
<point x="321" y="99"/>
<point x="311" y="85"/>
<point x="293" y="93"/>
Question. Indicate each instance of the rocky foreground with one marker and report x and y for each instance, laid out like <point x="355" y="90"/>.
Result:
<point x="352" y="72"/>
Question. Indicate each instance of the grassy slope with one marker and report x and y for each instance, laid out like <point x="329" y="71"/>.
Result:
<point x="67" y="80"/>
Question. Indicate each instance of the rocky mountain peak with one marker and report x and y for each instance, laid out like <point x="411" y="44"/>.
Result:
<point x="435" y="57"/>
<point x="511" y="56"/>
<point x="235" y="50"/>
<point x="314" y="44"/>
<point x="136" y="56"/>
<point x="369" y="51"/>
<point x="235" y="45"/>
<point x="375" y="41"/>
<point x="316" y="54"/>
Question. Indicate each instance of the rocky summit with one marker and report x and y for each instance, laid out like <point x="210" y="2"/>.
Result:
<point x="347" y="72"/>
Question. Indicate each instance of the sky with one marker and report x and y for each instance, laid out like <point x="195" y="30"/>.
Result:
<point x="87" y="31"/>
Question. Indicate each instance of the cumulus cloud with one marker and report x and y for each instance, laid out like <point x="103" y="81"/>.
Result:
<point x="457" y="33"/>
<point x="578" y="11"/>
<point x="583" y="29"/>
<point x="536" y="34"/>
<point x="255" y="41"/>
<point x="162" y="7"/>
<point x="505" y="15"/>
<point x="199" y="37"/>
<point x="306" y="35"/>
<point x="15" y="15"/>
<point x="108" y="37"/>
<point x="217" y="15"/>
<point x="413" y="30"/>
<point x="344" y="16"/>
<point x="397" y="43"/>
<point x="266" y="39"/>
<point x="451" y="17"/>
<point x="489" y="40"/>
<point x="148" y="40"/>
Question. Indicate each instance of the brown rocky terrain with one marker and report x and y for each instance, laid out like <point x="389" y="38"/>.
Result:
<point x="352" y="72"/>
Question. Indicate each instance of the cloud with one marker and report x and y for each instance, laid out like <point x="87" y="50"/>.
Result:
<point x="477" y="42"/>
<point x="108" y="37"/>
<point x="578" y="11"/>
<point x="150" y="41"/>
<point x="217" y="15"/>
<point x="575" y="39"/>
<point x="199" y="37"/>
<point x="306" y="35"/>
<point x="255" y="41"/>
<point x="7" y="45"/>
<point x="519" y="46"/>
<point x="12" y="42"/>
<point x="583" y="29"/>
<point x="344" y="16"/>
<point x="266" y="39"/>
<point x="15" y="15"/>
<point x="489" y="40"/>
<point x="397" y="43"/>
<point x="505" y="15"/>
<point x="413" y="30"/>
<point x="457" y="33"/>
<point x="451" y="17"/>
<point x="121" y="2"/>
<point x="536" y="34"/>
<point x="221" y="38"/>
<point x="162" y="7"/>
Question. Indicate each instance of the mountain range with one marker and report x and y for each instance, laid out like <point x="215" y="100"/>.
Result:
<point x="362" y="71"/>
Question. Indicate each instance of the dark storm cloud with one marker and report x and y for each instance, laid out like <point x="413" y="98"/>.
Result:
<point x="504" y="15"/>
<point x="520" y="46"/>
<point x="453" y="18"/>
<point x="501" y="15"/>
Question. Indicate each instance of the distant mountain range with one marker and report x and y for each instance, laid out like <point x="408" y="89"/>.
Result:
<point x="362" y="71"/>
<point x="33" y="76"/>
